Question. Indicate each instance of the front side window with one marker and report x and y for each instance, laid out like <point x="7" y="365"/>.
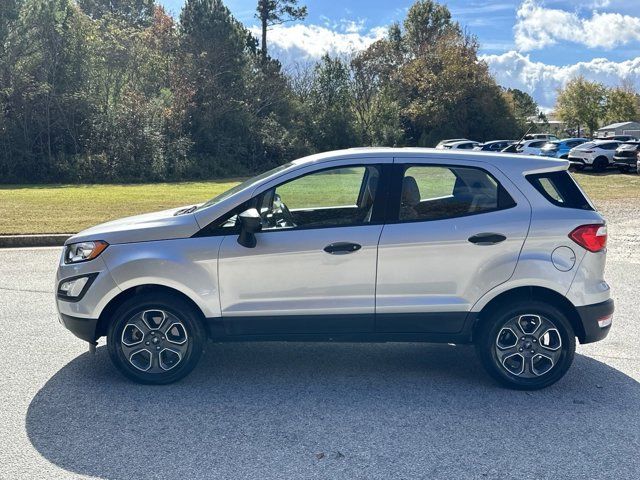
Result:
<point x="334" y="197"/>
<point x="438" y="192"/>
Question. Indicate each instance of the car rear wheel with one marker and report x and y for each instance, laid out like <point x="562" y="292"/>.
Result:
<point x="600" y="164"/>
<point x="526" y="346"/>
<point x="155" y="339"/>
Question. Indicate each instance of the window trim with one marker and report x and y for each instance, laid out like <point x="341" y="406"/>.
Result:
<point x="395" y="195"/>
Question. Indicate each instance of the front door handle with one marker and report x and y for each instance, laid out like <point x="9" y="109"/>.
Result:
<point x="342" y="248"/>
<point x="487" y="238"/>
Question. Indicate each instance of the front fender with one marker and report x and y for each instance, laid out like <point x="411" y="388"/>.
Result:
<point x="188" y="265"/>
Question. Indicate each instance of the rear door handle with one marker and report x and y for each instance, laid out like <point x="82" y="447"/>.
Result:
<point x="342" y="248"/>
<point x="487" y="238"/>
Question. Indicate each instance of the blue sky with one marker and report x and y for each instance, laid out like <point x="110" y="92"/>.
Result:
<point x="535" y="45"/>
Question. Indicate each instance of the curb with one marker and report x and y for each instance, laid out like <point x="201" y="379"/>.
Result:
<point x="45" y="240"/>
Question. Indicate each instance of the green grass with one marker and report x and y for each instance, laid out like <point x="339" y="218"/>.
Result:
<point x="70" y="208"/>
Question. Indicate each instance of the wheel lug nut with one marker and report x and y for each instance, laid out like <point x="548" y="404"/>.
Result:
<point x="521" y="349"/>
<point x="521" y="338"/>
<point x="533" y="351"/>
<point x="146" y="343"/>
<point x="534" y="340"/>
<point x="157" y="348"/>
<point x="153" y="333"/>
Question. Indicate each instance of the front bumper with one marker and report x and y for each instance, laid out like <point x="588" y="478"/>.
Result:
<point x="626" y="162"/>
<point x="83" y="328"/>
<point x="592" y="317"/>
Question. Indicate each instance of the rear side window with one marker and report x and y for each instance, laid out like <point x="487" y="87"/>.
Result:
<point x="560" y="189"/>
<point x="432" y="192"/>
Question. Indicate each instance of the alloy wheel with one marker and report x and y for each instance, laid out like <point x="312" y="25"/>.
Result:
<point x="154" y="341"/>
<point x="528" y="346"/>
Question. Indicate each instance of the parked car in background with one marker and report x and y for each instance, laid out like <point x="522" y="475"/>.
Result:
<point x="597" y="154"/>
<point x="621" y="138"/>
<point x="461" y="145"/>
<point x="638" y="163"/>
<point x="526" y="147"/>
<point x="625" y="156"/>
<point x="560" y="148"/>
<point x="493" y="145"/>
<point x="442" y="143"/>
<point x="540" y="136"/>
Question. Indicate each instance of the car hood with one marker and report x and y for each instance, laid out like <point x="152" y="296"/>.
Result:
<point x="163" y="225"/>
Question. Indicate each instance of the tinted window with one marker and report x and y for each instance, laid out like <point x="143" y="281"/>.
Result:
<point x="440" y="192"/>
<point x="536" y="144"/>
<point x="560" y="189"/>
<point x="574" y="143"/>
<point x="609" y="146"/>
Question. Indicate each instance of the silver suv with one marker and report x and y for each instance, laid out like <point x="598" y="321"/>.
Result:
<point x="378" y="245"/>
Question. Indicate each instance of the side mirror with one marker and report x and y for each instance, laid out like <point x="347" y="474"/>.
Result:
<point x="250" y="223"/>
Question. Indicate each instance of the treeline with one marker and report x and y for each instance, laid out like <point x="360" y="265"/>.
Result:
<point x="585" y="106"/>
<point x="118" y="90"/>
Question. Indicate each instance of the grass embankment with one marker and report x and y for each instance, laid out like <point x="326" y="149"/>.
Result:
<point x="70" y="208"/>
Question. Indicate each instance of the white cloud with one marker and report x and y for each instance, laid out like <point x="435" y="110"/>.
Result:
<point x="515" y="70"/>
<point x="537" y="27"/>
<point x="303" y="42"/>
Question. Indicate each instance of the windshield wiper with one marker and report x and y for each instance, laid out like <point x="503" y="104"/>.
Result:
<point x="184" y="211"/>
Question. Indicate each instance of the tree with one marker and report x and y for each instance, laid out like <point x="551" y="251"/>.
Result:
<point x="275" y="12"/>
<point x="331" y="119"/>
<point x="581" y="102"/>
<point x="621" y="104"/>
<point x="133" y="12"/>
<point x="47" y="92"/>
<point x="523" y="107"/>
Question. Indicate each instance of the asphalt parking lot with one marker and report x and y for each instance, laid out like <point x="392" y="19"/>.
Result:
<point x="293" y="410"/>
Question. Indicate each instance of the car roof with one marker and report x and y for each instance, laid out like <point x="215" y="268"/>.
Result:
<point x="503" y="161"/>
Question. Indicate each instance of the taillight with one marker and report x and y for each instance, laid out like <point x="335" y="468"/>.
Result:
<point x="590" y="237"/>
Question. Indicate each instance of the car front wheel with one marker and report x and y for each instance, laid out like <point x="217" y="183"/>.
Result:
<point x="155" y="338"/>
<point x="526" y="346"/>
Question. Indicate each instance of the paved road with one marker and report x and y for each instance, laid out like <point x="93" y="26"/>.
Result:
<point x="274" y="411"/>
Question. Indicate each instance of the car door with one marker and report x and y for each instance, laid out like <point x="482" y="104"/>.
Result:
<point x="456" y="233"/>
<point x="313" y="268"/>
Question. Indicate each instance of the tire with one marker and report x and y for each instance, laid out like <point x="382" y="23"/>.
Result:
<point x="600" y="164"/>
<point x="503" y="362"/>
<point x="578" y="167"/>
<point x="156" y="338"/>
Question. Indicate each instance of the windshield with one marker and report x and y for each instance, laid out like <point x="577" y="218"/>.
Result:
<point x="586" y="146"/>
<point x="246" y="184"/>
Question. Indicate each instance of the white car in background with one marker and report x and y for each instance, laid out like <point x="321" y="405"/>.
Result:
<point x="530" y="147"/>
<point x="597" y="154"/>
<point x="442" y="144"/>
<point x="461" y="145"/>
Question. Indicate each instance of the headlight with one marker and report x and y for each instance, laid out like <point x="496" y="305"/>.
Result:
<point x="73" y="289"/>
<point x="84" y="251"/>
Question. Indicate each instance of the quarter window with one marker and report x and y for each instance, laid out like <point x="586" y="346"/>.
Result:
<point x="439" y="192"/>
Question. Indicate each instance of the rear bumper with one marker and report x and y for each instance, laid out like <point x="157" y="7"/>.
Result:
<point x="83" y="328"/>
<point x="592" y="317"/>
